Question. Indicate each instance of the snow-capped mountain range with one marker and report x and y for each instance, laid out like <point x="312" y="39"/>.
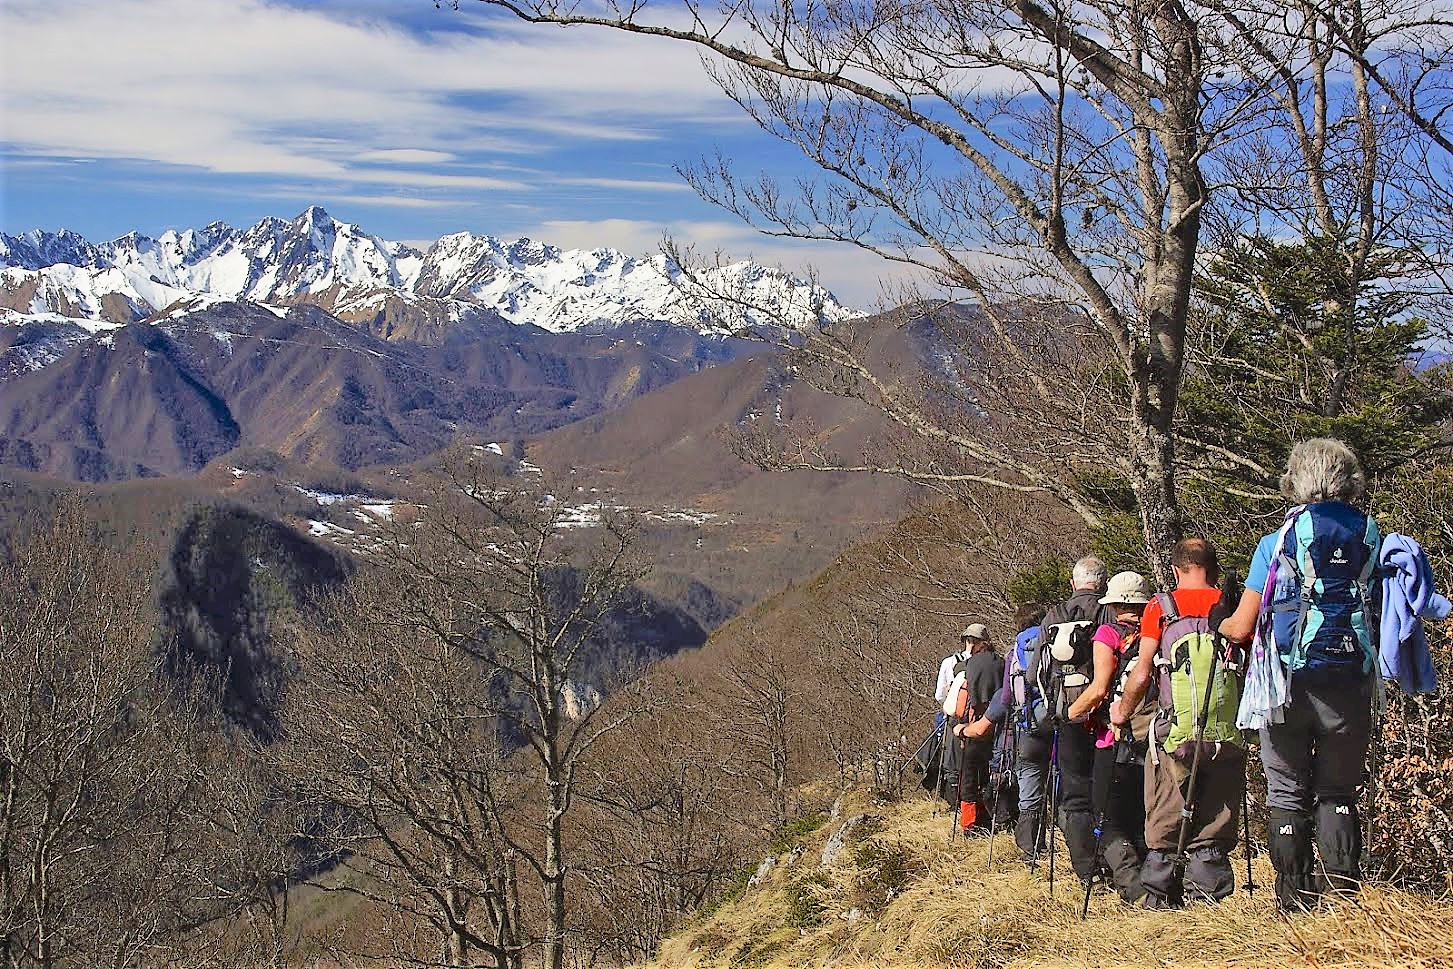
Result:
<point x="361" y="278"/>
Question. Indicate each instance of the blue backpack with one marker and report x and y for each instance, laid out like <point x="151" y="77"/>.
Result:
<point x="1029" y="710"/>
<point x="1323" y="570"/>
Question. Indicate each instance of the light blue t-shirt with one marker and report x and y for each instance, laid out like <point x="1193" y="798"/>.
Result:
<point x="1261" y="563"/>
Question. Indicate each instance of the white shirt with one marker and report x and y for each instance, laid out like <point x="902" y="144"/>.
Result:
<point x="946" y="676"/>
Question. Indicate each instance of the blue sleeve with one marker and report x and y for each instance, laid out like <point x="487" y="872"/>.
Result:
<point x="1261" y="563"/>
<point x="1439" y="608"/>
<point x="998" y="708"/>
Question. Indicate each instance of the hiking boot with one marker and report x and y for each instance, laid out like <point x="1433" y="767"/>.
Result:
<point x="1208" y="876"/>
<point x="1289" y="843"/>
<point x="1027" y="835"/>
<point x="1162" y="883"/>
<point x="1154" y="902"/>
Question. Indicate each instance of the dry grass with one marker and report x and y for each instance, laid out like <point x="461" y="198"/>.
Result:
<point x="953" y="911"/>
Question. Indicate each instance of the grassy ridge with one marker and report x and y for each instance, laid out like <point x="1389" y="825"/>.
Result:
<point x="900" y="893"/>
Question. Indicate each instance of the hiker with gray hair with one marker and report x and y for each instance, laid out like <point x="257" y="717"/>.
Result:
<point x="1087" y="585"/>
<point x="1310" y="605"/>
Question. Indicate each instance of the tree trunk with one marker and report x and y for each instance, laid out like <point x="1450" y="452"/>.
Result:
<point x="1155" y="493"/>
<point x="554" y="896"/>
<point x="456" y="946"/>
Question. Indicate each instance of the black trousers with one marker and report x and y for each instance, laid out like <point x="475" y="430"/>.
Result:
<point x="1096" y="791"/>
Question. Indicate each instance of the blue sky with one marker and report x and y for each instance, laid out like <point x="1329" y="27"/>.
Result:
<point x="410" y="120"/>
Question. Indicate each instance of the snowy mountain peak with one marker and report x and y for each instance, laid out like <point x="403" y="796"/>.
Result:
<point x="318" y="259"/>
<point x="36" y="249"/>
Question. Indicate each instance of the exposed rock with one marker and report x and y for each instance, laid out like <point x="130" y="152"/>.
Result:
<point x="839" y="840"/>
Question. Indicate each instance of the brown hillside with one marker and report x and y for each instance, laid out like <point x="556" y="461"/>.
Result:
<point x="674" y="446"/>
<point x="168" y="395"/>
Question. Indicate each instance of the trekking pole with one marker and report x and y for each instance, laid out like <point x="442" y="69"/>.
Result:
<point x="1106" y="780"/>
<point x="944" y="750"/>
<point x="1054" y="771"/>
<point x="998" y="788"/>
<point x="1053" y="793"/>
<point x="1250" y="849"/>
<point x="1099" y="860"/>
<point x="1041" y="822"/>
<point x="958" y="789"/>
<point x="1374" y="768"/>
<point x="1188" y="805"/>
<point x="1008" y="764"/>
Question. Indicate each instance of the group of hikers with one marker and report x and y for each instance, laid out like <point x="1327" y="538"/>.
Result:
<point x="1120" y="715"/>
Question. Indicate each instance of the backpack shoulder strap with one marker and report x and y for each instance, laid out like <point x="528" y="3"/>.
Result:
<point x="1373" y="541"/>
<point x="1169" y="610"/>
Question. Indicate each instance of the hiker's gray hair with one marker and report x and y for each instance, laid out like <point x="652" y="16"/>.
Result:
<point x="1089" y="573"/>
<point x="1323" y="469"/>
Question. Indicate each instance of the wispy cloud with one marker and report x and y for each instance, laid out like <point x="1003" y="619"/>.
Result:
<point x="370" y="201"/>
<point x="251" y="87"/>
<point x="627" y="184"/>
<point x="407" y="156"/>
<point x="436" y="120"/>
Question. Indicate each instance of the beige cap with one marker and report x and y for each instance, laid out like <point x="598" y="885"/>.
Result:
<point x="1126" y="588"/>
<point x="977" y="631"/>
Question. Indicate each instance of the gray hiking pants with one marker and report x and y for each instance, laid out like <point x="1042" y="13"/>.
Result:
<point x="1314" y="766"/>
<point x="1317" y="754"/>
<point x="1031" y="768"/>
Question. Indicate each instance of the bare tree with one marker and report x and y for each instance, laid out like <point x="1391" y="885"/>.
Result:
<point x="446" y="706"/>
<point x="1022" y="154"/>
<point x="1054" y="165"/>
<point x="109" y="851"/>
<point x="663" y="827"/>
<point x="754" y="704"/>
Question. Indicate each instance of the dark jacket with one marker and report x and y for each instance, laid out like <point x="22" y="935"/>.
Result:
<point x="1083" y="605"/>
<point x="984" y="672"/>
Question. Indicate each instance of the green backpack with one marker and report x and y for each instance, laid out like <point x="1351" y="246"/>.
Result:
<point x="1185" y="659"/>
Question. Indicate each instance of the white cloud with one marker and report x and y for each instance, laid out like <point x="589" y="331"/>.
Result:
<point x="407" y="156"/>
<point x="310" y="196"/>
<point x="628" y="184"/>
<point x="250" y="87"/>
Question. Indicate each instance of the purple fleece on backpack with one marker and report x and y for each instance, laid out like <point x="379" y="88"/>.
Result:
<point x="1408" y="597"/>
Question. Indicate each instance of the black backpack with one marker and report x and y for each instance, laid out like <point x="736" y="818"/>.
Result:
<point x="1064" y="665"/>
